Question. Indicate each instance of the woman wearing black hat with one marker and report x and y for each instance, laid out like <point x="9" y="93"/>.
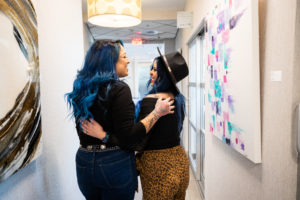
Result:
<point x="162" y="162"/>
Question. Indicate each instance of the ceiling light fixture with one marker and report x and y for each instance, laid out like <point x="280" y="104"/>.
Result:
<point x="114" y="13"/>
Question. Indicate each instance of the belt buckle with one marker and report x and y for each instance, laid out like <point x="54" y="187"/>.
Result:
<point x="102" y="146"/>
<point x="89" y="147"/>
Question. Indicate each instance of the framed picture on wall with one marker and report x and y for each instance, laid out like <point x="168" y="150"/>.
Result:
<point x="232" y="66"/>
<point x="20" y="116"/>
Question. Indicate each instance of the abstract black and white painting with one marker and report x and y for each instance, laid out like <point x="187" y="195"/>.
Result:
<point x="20" y="118"/>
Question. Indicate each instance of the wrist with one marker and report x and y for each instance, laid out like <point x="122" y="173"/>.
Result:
<point x="102" y="135"/>
<point x="105" y="138"/>
<point x="156" y="114"/>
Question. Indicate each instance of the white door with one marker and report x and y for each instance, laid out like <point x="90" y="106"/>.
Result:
<point x="196" y="110"/>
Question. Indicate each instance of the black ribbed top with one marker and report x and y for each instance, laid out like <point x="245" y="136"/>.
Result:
<point x="164" y="134"/>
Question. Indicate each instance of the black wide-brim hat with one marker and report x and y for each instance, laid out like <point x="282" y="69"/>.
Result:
<point x="176" y="67"/>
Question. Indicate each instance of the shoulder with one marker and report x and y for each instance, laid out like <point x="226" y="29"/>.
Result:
<point x="120" y="88"/>
<point x="163" y="95"/>
<point x="120" y="85"/>
<point x="151" y="96"/>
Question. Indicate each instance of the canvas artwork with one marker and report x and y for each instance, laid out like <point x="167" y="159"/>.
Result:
<point x="233" y="89"/>
<point x="20" y="119"/>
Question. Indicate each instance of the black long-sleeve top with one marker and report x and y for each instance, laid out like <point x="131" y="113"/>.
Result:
<point x="164" y="134"/>
<point x="116" y="117"/>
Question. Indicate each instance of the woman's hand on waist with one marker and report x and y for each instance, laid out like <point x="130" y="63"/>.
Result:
<point x="93" y="128"/>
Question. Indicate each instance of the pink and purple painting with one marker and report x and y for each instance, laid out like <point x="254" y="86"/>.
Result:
<point x="232" y="61"/>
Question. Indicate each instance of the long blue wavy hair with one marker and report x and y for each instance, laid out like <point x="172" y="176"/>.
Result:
<point x="164" y="84"/>
<point x="98" y="69"/>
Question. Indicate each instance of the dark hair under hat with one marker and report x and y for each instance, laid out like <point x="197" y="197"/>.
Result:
<point x="176" y="66"/>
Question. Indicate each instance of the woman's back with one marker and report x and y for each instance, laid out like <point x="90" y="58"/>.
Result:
<point x="115" y="112"/>
<point x="165" y="133"/>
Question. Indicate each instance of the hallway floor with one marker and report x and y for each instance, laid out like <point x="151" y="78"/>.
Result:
<point x="193" y="192"/>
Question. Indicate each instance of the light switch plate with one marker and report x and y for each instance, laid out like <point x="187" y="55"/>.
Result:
<point x="276" y="76"/>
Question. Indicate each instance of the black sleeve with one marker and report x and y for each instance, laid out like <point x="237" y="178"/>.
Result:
<point x="182" y="115"/>
<point x="125" y="132"/>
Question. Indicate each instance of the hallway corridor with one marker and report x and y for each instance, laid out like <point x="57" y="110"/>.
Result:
<point x="242" y="96"/>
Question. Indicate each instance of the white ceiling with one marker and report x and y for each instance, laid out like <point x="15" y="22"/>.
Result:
<point x="149" y="29"/>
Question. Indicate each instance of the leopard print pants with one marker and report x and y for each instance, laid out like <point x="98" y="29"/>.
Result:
<point x="164" y="173"/>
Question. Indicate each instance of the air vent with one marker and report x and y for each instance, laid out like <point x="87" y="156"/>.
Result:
<point x="149" y="32"/>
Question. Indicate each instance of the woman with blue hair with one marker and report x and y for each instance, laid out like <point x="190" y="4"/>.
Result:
<point x="104" y="169"/>
<point x="162" y="162"/>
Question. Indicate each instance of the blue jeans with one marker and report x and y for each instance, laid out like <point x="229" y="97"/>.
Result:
<point x="108" y="175"/>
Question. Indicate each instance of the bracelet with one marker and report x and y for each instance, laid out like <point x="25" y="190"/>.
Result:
<point x="105" y="139"/>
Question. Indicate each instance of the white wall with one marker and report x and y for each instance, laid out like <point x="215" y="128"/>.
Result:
<point x="169" y="45"/>
<point x="52" y="175"/>
<point x="159" y="14"/>
<point x="296" y="88"/>
<point x="228" y="175"/>
<point x="61" y="54"/>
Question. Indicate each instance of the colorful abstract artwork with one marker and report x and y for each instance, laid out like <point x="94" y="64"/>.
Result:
<point x="20" y="124"/>
<point x="232" y="63"/>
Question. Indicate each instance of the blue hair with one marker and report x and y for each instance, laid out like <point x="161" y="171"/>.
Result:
<point x="163" y="84"/>
<point x="98" y="69"/>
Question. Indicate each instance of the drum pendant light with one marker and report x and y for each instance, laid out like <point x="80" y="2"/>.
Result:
<point x="114" y="13"/>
